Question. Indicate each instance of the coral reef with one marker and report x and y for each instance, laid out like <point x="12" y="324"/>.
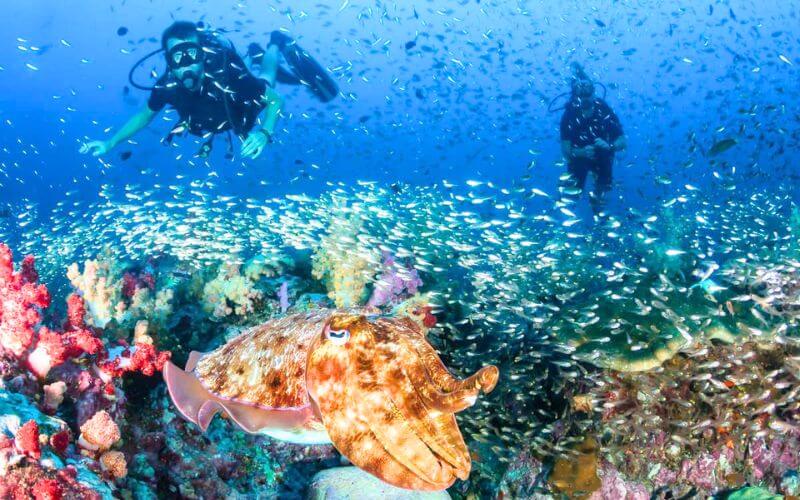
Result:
<point x="123" y="300"/>
<point x="396" y="283"/>
<point x="616" y="334"/>
<point x="167" y="451"/>
<point x="343" y="263"/>
<point x="712" y="417"/>
<point x="73" y="364"/>
<point x="230" y="292"/>
<point x="36" y="457"/>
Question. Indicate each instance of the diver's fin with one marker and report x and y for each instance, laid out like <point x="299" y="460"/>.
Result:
<point x="287" y="77"/>
<point x="256" y="53"/>
<point x="304" y="68"/>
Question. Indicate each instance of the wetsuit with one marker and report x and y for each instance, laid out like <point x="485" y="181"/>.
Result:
<point x="581" y="132"/>
<point x="209" y="109"/>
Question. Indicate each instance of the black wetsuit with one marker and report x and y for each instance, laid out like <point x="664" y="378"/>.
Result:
<point x="581" y="132"/>
<point x="205" y="110"/>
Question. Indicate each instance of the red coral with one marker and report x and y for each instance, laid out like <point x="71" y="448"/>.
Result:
<point x="27" y="440"/>
<point x="129" y="285"/>
<point x="47" y="489"/>
<point x="54" y="348"/>
<point x="31" y="480"/>
<point x="60" y="441"/>
<point x="28" y="270"/>
<point x="145" y="359"/>
<point x="148" y="280"/>
<point x="76" y="312"/>
<point x="20" y="302"/>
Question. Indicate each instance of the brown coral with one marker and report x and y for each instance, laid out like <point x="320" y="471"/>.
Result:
<point x="576" y="475"/>
<point x="99" y="433"/>
<point x="114" y="463"/>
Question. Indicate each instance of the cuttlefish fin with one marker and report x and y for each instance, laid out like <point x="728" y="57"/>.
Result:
<point x="194" y="357"/>
<point x="186" y="391"/>
<point x="199" y="406"/>
<point x="206" y="413"/>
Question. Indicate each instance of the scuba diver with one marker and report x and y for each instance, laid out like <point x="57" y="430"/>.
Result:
<point x="213" y="91"/>
<point x="591" y="134"/>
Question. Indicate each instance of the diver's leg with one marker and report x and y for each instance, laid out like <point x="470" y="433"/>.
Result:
<point x="269" y="65"/>
<point x="303" y="69"/>
<point x="255" y="55"/>
<point x="571" y="187"/>
<point x="602" y="185"/>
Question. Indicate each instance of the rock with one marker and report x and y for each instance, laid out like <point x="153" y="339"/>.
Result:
<point x="15" y="410"/>
<point x="351" y="483"/>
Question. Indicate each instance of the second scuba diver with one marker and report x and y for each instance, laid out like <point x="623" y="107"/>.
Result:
<point x="591" y="134"/>
<point x="214" y="92"/>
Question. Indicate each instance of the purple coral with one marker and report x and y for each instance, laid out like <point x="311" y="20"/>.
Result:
<point x="395" y="283"/>
<point x="283" y="296"/>
<point x="614" y="485"/>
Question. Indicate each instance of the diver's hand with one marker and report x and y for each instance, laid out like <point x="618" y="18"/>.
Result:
<point x="585" y="152"/>
<point x="254" y="144"/>
<point x="602" y="144"/>
<point x="96" y="148"/>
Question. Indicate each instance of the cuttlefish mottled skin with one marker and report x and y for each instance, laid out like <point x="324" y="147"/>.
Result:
<point x="373" y="386"/>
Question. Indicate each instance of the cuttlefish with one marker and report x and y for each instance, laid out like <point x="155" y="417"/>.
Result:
<point x="371" y="385"/>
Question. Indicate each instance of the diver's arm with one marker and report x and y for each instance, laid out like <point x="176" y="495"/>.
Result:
<point x="572" y="152"/>
<point x="136" y="123"/>
<point x="256" y="141"/>
<point x="620" y="144"/>
<point x="270" y="116"/>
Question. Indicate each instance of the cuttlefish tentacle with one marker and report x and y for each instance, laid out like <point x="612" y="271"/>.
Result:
<point x="437" y="429"/>
<point x="485" y="379"/>
<point x="394" y="431"/>
<point x="340" y="406"/>
<point x="436" y="385"/>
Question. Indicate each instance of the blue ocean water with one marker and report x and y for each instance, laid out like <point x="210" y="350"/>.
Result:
<point x="469" y="100"/>
<point x="451" y="98"/>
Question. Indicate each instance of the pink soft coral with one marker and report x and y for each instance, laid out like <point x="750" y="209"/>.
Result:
<point x="21" y="300"/>
<point x="54" y="348"/>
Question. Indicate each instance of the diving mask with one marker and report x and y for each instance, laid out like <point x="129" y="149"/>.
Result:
<point x="184" y="54"/>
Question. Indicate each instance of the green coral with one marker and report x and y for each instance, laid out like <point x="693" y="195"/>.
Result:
<point x="794" y="233"/>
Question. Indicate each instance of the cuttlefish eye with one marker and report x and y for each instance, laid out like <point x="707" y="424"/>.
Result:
<point x="338" y="337"/>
